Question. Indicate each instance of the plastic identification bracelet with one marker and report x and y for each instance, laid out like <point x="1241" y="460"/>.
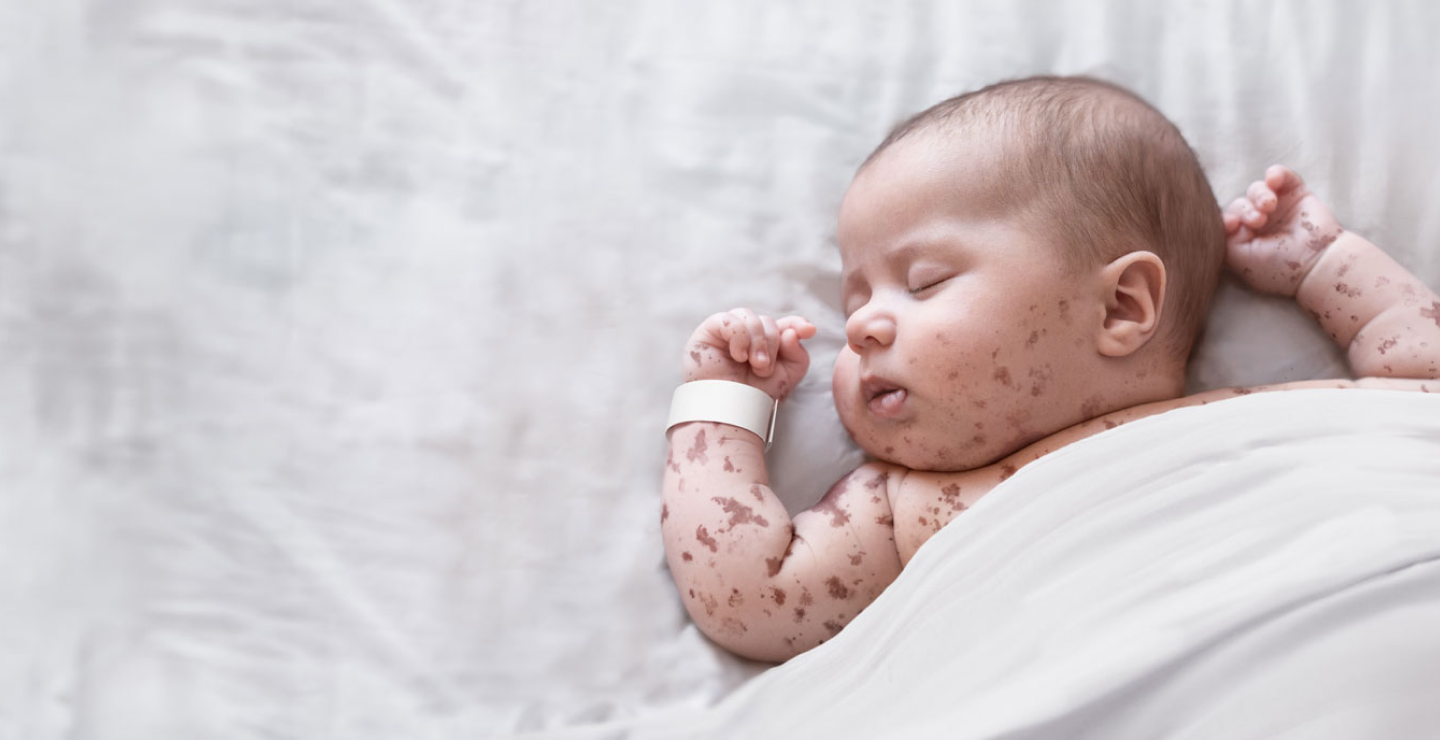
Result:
<point x="726" y="402"/>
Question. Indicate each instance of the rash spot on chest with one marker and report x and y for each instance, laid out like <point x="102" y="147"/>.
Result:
<point x="837" y="588"/>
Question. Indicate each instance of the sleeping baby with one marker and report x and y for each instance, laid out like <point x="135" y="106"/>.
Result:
<point x="1023" y="266"/>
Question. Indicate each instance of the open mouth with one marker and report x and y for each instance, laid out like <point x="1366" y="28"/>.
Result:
<point x="883" y="398"/>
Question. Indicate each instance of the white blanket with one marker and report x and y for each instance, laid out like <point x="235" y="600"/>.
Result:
<point x="1267" y="566"/>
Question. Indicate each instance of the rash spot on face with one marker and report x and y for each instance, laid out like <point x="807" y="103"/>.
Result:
<point x="705" y="538"/>
<point x="729" y="468"/>
<point x="710" y="604"/>
<point x="1092" y="407"/>
<point x="837" y="589"/>
<point x="695" y="356"/>
<point x="1034" y="337"/>
<point x="739" y="513"/>
<point x="697" y="450"/>
<point x="857" y="558"/>
<point x="1386" y="344"/>
<point x="805" y="598"/>
<point x="799" y="614"/>
<point x="1002" y="374"/>
<point x="757" y="493"/>
<point x="779" y="595"/>
<point x="736" y="600"/>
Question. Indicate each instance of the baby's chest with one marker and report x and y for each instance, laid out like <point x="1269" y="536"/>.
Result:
<point x="923" y="504"/>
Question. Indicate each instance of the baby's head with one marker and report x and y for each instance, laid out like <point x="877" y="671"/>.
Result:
<point x="1017" y="260"/>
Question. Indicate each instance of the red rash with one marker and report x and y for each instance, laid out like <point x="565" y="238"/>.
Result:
<point x="779" y="594"/>
<point x="705" y="538"/>
<point x="739" y="513"/>
<point x="837" y="589"/>
<point x="687" y="557"/>
<point x="1433" y="312"/>
<point x="697" y="451"/>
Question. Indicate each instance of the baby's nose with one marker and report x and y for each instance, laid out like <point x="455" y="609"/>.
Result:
<point x="869" y="328"/>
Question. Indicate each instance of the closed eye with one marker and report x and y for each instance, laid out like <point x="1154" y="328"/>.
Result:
<point x="927" y="286"/>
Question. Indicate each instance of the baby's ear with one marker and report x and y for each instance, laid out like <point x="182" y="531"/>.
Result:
<point x="1134" y="292"/>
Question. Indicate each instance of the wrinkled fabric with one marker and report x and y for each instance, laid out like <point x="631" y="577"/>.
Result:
<point x="1268" y="567"/>
<point x="337" y="337"/>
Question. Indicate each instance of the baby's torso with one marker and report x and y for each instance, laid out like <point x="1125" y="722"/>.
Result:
<point x="923" y="502"/>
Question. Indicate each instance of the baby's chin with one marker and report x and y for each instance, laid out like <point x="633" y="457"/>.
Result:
<point x="927" y="461"/>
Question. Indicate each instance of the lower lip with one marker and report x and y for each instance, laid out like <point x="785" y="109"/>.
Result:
<point x="888" y="404"/>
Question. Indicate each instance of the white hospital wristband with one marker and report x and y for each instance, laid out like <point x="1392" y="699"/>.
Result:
<point x="726" y="402"/>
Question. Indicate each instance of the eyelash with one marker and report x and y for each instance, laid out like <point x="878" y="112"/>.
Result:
<point x="927" y="286"/>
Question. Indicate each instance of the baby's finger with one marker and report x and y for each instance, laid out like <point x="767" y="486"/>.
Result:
<point x="739" y="335"/>
<point x="765" y="353"/>
<point x="1252" y="217"/>
<point x="756" y="332"/>
<point x="1262" y="197"/>
<point x="1282" y="179"/>
<point x="802" y="327"/>
<point x="1231" y="217"/>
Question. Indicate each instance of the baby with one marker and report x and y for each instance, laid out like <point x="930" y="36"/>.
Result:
<point x="1024" y="266"/>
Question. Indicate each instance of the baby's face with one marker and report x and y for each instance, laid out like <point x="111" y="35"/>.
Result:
<point x="967" y="336"/>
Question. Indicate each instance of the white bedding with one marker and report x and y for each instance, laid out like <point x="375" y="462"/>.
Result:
<point x="1262" y="567"/>
<point x="337" y="336"/>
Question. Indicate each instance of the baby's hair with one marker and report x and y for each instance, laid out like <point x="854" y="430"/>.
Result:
<point x="1104" y="173"/>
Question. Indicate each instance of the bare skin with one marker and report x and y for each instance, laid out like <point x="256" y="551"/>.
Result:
<point x="920" y="388"/>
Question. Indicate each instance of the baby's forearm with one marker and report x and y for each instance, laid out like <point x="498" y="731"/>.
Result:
<point x="1384" y="316"/>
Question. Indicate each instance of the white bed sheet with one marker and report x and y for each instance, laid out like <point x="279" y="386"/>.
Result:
<point x="338" y="336"/>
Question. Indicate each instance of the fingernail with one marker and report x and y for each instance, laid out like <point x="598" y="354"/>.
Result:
<point x="760" y="357"/>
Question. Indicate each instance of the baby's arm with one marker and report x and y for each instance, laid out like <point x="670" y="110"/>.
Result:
<point x="754" y="581"/>
<point x="1282" y="239"/>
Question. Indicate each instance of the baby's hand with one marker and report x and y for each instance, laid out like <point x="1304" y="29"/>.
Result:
<point x="745" y="347"/>
<point x="1277" y="232"/>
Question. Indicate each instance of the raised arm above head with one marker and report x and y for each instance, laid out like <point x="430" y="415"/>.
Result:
<point x="1285" y="240"/>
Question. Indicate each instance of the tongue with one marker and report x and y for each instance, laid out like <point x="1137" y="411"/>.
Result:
<point x="889" y="401"/>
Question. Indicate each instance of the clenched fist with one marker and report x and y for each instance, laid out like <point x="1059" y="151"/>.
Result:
<point x="743" y="346"/>
<point x="1277" y="231"/>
